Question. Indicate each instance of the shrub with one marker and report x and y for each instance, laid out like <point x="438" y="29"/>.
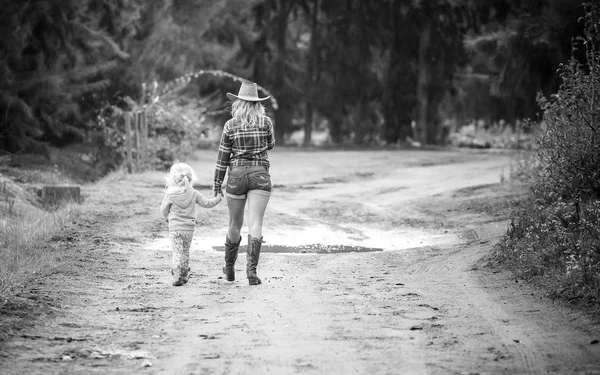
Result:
<point x="556" y="237"/>
<point x="569" y="143"/>
<point x="174" y="132"/>
<point x="557" y="243"/>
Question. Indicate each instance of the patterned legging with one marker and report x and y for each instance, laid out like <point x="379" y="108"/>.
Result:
<point x="180" y="246"/>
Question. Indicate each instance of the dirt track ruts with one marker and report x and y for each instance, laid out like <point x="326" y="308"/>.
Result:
<point x="426" y="304"/>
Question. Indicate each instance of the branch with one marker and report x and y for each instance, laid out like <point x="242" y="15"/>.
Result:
<point x="100" y="36"/>
<point x="185" y="79"/>
<point x="16" y="103"/>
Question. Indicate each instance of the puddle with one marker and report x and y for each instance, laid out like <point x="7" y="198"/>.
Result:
<point x="310" y="249"/>
<point x="293" y="240"/>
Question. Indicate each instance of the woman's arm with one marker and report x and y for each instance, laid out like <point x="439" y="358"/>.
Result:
<point x="270" y="136"/>
<point x="222" y="160"/>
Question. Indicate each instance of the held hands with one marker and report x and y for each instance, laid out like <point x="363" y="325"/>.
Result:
<point x="217" y="197"/>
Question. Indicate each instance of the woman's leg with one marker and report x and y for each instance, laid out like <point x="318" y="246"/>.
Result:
<point x="236" y="218"/>
<point x="257" y="205"/>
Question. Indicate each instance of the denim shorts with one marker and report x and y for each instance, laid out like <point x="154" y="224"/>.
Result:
<point x="242" y="179"/>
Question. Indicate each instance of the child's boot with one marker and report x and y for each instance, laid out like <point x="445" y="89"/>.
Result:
<point x="177" y="278"/>
<point x="185" y="275"/>
<point x="185" y="266"/>
<point x="252" y="254"/>
<point x="231" y="254"/>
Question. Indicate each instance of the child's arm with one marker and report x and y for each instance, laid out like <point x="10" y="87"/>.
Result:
<point x="165" y="207"/>
<point x="202" y="201"/>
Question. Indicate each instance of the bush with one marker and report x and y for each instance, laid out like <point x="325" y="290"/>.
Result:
<point x="569" y="145"/>
<point x="559" y="244"/>
<point x="556" y="237"/>
<point x="174" y="132"/>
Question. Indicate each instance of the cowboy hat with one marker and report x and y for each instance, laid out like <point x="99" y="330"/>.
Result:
<point x="248" y="91"/>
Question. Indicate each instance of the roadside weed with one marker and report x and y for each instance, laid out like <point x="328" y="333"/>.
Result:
<point x="25" y="241"/>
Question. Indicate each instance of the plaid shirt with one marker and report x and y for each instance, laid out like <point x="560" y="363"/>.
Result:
<point x="242" y="146"/>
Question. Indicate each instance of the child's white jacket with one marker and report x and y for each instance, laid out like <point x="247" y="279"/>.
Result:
<point x="179" y="207"/>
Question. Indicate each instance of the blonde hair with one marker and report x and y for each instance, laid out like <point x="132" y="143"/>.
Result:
<point x="180" y="175"/>
<point x="249" y="114"/>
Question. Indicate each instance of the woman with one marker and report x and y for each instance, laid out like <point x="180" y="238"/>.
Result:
<point x="243" y="150"/>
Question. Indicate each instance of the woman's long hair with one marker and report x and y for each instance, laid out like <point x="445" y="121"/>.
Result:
<point x="249" y="114"/>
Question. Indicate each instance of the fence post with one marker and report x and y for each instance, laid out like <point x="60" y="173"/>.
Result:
<point x="128" y="141"/>
<point x="144" y="130"/>
<point x="137" y="140"/>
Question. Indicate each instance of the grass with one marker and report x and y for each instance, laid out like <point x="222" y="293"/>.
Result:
<point x="554" y="244"/>
<point x="26" y="232"/>
<point x="30" y="241"/>
<point x="27" y="228"/>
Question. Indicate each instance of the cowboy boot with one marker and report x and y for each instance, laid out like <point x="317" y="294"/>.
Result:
<point x="252" y="255"/>
<point x="177" y="279"/>
<point x="231" y="254"/>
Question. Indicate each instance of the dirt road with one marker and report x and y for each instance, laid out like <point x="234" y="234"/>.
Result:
<point x="417" y="299"/>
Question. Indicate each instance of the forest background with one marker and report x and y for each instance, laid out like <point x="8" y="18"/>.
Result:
<point x="375" y="73"/>
<point x="388" y="73"/>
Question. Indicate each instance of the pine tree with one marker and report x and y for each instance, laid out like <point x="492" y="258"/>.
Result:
<point x="50" y="59"/>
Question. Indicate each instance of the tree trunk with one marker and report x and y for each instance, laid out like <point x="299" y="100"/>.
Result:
<point x="361" y="123"/>
<point x="423" y="83"/>
<point x="395" y="107"/>
<point x="310" y="72"/>
<point x="280" y="31"/>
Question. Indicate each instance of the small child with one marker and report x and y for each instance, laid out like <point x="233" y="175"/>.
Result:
<point x="178" y="207"/>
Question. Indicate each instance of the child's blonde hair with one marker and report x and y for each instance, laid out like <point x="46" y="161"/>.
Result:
<point x="180" y="175"/>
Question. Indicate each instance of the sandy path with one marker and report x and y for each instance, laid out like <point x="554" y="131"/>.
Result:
<point x="424" y="305"/>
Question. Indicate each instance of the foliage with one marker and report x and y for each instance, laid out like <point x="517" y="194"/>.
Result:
<point x="51" y="58"/>
<point x="559" y="245"/>
<point x="569" y="146"/>
<point x="175" y="129"/>
<point x="25" y="232"/>
<point x="171" y="38"/>
<point x="556" y="238"/>
<point x="62" y="61"/>
<point x="518" y="46"/>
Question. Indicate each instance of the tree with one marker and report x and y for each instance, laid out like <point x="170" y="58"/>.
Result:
<point x="275" y="59"/>
<point x="444" y="22"/>
<point x="51" y="58"/>
<point x="312" y="65"/>
<point x="520" y="49"/>
<point x="348" y="84"/>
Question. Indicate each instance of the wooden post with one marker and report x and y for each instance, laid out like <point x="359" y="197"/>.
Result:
<point x="137" y="140"/>
<point x="144" y="139"/>
<point x="128" y="142"/>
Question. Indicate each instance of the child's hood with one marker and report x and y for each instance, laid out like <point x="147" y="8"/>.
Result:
<point x="182" y="197"/>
